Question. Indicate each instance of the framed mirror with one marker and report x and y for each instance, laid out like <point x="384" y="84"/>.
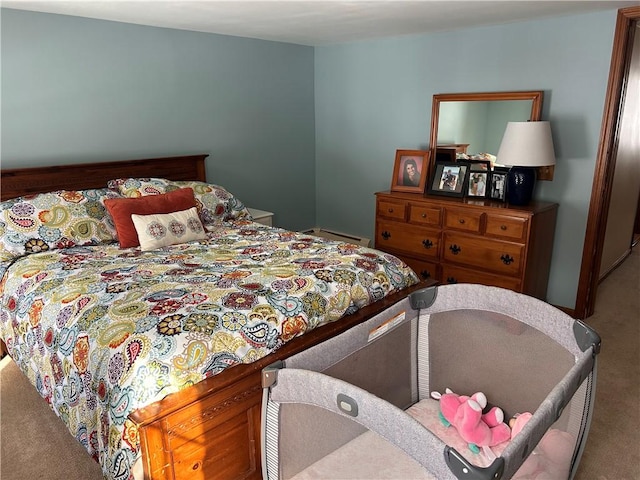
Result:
<point x="474" y="123"/>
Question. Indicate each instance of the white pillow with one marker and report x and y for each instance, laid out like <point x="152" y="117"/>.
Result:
<point x="162" y="229"/>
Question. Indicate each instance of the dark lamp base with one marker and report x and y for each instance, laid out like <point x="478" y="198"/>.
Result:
<point x="520" y="183"/>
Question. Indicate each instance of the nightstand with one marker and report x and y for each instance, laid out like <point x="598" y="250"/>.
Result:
<point x="261" y="216"/>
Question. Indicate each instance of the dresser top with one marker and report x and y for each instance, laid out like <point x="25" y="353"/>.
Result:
<point x="442" y="200"/>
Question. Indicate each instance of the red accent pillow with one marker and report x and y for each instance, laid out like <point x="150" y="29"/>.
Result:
<point x="121" y="210"/>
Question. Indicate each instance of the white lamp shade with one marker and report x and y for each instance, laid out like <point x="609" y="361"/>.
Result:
<point x="527" y="144"/>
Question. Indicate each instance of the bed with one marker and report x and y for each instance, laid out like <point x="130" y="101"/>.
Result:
<point x="152" y="356"/>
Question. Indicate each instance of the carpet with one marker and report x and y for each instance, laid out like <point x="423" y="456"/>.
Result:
<point x="613" y="446"/>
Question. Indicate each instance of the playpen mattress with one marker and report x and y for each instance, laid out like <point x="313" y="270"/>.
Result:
<point x="372" y="457"/>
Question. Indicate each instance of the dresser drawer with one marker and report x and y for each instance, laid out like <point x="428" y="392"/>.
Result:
<point x="451" y="274"/>
<point x="463" y="219"/>
<point x="391" y="209"/>
<point x="487" y="254"/>
<point x="425" y="270"/>
<point x="507" y="227"/>
<point x="425" y="214"/>
<point x="420" y="241"/>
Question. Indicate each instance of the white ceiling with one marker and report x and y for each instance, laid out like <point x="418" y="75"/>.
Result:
<point x="312" y="22"/>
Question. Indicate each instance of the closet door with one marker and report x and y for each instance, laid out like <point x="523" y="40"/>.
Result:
<point x="623" y="208"/>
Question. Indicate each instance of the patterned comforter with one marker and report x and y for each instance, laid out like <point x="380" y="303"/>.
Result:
<point x="102" y="331"/>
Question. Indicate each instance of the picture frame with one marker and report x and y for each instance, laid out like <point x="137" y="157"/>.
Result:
<point x="480" y="165"/>
<point x="497" y="188"/>
<point x="477" y="185"/>
<point x="449" y="178"/>
<point x="410" y="171"/>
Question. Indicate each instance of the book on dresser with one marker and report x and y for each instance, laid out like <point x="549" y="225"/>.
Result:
<point x="468" y="240"/>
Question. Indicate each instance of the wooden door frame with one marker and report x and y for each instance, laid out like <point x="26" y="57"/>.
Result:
<point x="605" y="162"/>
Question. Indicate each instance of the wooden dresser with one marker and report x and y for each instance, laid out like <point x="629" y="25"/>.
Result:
<point x="456" y="240"/>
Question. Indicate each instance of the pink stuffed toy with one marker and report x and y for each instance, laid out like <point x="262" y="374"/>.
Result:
<point x="552" y="456"/>
<point x="475" y="428"/>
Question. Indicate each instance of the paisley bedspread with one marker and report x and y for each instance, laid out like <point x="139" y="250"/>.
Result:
<point x="101" y="331"/>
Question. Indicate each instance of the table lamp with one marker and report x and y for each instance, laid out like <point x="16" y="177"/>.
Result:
<point x="525" y="146"/>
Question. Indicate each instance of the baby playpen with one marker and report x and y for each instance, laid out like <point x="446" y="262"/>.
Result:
<point x="361" y="405"/>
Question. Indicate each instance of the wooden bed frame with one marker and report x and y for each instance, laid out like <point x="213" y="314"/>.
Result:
<point x="210" y="430"/>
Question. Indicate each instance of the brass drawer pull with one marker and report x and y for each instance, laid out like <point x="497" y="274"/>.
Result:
<point x="451" y="280"/>
<point x="503" y="227"/>
<point x="461" y="220"/>
<point x="390" y="210"/>
<point x="427" y="243"/>
<point x="506" y="259"/>
<point x="424" y="215"/>
<point x="455" y="249"/>
<point x="386" y="235"/>
<point x="425" y="274"/>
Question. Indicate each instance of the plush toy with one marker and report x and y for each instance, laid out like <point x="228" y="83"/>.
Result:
<point x="552" y="456"/>
<point x="476" y="428"/>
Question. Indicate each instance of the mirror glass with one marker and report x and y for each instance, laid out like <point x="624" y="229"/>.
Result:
<point x="474" y="123"/>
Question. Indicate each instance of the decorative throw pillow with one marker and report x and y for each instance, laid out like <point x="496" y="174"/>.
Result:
<point x="121" y="209"/>
<point x="55" y="220"/>
<point x="215" y="204"/>
<point x="160" y="230"/>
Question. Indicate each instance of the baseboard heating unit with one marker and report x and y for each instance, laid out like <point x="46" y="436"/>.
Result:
<point x="342" y="237"/>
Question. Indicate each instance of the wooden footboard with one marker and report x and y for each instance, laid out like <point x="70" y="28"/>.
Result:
<point x="214" y="436"/>
<point x="212" y="430"/>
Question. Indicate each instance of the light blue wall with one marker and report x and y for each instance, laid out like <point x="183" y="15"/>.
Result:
<point x="375" y="97"/>
<point x="76" y="90"/>
<point x="80" y="90"/>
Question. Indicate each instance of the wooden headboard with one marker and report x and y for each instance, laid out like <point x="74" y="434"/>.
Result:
<point x="16" y="182"/>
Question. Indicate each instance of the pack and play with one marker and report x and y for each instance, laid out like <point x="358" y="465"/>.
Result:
<point x="454" y="381"/>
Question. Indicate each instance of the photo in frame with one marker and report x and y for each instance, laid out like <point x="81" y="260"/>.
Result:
<point x="498" y="184"/>
<point x="410" y="171"/>
<point x="477" y="185"/>
<point x="449" y="178"/>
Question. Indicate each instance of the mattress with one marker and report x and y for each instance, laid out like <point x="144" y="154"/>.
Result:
<point x="371" y="456"/>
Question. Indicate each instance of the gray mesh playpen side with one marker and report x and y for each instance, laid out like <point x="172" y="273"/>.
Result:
<point x="524" y="354"/>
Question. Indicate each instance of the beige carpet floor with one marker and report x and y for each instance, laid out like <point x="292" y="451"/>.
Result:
<point x="34" y="444"/>
<point x="613" y="446"/>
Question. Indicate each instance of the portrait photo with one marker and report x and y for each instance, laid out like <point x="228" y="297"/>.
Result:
<point x="410" y="171"/>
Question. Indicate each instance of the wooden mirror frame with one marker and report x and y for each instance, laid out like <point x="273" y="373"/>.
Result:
<point x="544" y="173"/>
